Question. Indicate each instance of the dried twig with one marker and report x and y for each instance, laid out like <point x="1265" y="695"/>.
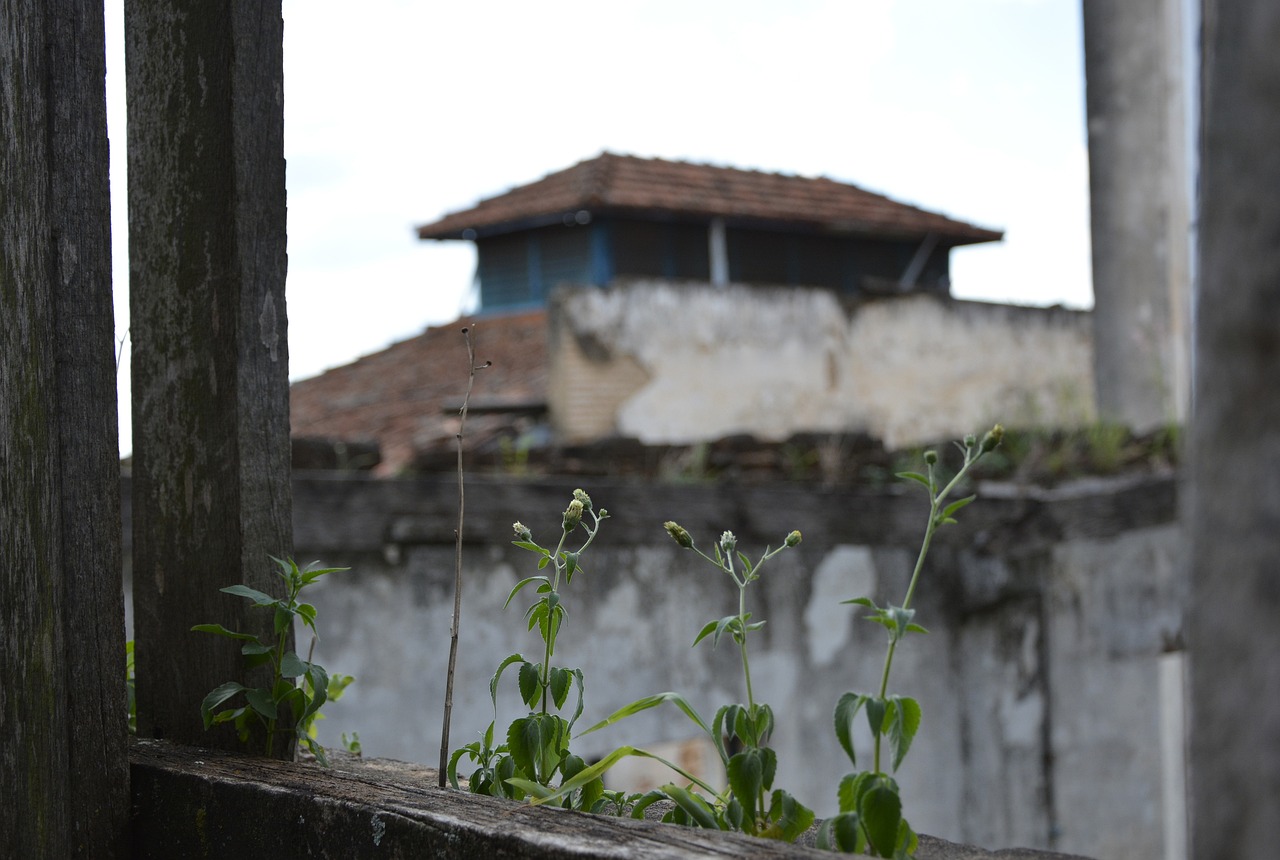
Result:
<point x="457" y="575"/>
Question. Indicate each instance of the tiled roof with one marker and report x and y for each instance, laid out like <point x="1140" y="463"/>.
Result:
<point x="628" y="184"/>
<point x="406" y="397"/>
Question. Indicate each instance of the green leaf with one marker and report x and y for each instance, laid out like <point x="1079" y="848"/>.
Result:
<point x="525" y="740"/>
<point x="718" y="733"/>
<point x="530" y="683"/>
<point x="493" y="682"/>
<point x="851" y="789"/>
<point x="521" y="584"/>
<point x="734" y="814"/>
<point x="560" y="680"/>
<point x="875" y="715"/>
<point x="736" y="717"/>
<point x="452" y="770"/>
<point x="846" y="709"/>
<point x="862" y="601"/>
<point x="881" y="812"/>
<point x="292" y="666"/>
<point x="790" y="817"/>
<point x="216" y="697"/>
<point x="570" y="565"/>
<point x="951" y="509"/>
<point x="917" y="477"/>
<point x="320" y="686"/>
<point x="651" y="702"/>
<point x="283" y="618"/>
<point x="694" y="806"/>
<point x="313" y="571"/>
<point x="338" y="684"/>
<point x="250" y="649"/>
<point x="222" y="631"/>
<point x="577" y="711"/>
<point x="845" y="833"/>
<point x="531" y="546"/>
<point x="763" y="726"/>
<point x="908" y="842"/>
<point x="900" y="620"/>
<point x="770" y="760"/>
<point x="717" y="628"/>
<point x="904" y="722"/>
<point x="746" y="779"/>
<point x="536" y="790"/>
<point x="308" y="614"/>
<point x="260" y="700"/>
<point x="706" y="631"/>
<point x="258" y="597"/>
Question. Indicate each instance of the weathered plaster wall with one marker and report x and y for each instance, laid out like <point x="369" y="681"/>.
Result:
<point x="1041" y="680"/>
<point x="772" y="362"/>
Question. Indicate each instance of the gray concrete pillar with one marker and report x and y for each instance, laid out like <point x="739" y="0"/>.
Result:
<point x="1138" y="208"/>
<point x="1233" y="510"/>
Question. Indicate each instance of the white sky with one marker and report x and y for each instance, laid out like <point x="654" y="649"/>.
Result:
<point x="398" y="111"/>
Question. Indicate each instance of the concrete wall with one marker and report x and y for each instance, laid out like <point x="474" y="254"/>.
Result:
<point x="772" y="362"/>
<point x="1041" y="681"/>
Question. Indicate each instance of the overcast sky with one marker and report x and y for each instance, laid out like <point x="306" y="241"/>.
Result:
<point x="398" y="111"/>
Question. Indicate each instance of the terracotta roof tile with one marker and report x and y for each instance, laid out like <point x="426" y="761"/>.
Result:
<point x="406" y="396"/>
<point x="628" y="184"/>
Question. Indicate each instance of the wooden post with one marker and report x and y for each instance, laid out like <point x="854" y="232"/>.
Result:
<point x="211" y="492"/>
<point x="1233" y="515"/>
<point x="63" y="769"/>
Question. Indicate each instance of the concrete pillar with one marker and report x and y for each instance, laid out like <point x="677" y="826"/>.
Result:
<point x="1138" y="208"/>
<point x="1233" y="510"/>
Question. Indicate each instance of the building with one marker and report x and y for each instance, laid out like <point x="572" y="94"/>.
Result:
<point x="617" y="217"/>
<point x="677" y="303"/>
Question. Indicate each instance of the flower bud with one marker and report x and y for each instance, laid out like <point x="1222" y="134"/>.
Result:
<point x="728" y="543"/>
<point x="931" y="457"/>
<point x="581" y="496"/>
<point x="572" y="515"/>
<point x="793" y="538"/>
<point x="522" y="532"/>
<point x="971" y="441"/>
<point x="678" y="534"/>
<point x="992" y="439"/>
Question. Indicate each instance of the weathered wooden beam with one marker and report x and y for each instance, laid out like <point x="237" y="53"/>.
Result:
<point x="210" y="353"/>
<point x="190" y="802"/>
<point x="62" y="725"/>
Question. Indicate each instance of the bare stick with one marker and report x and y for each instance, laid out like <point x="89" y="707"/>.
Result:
<point x="457" y="574"/>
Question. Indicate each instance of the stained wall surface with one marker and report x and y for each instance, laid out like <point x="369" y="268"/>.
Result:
<point x="1051" y="716"/>
<point x="680" y="363"/>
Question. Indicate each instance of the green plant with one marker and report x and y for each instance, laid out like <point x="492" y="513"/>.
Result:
<point x="351" y="743"/>
<point x="870" y="818"/>
<point x="129" y="685"/>
<point x="338" y="684"/>
<point x="298" y="687"/>
<point x="750" y="803"/>
<point x="536" y="751"/>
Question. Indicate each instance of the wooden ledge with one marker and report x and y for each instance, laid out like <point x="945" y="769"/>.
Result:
<point x="191" y="802"/>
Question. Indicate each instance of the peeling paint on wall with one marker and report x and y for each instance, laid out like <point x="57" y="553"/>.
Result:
<point x="688" y="363"/>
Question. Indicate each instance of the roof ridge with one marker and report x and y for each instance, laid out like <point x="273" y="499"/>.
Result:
<point x="622" y="182"/>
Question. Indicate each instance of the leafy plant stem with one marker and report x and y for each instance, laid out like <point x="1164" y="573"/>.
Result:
<point x="746" y="665"/>
<point x="545" y="679"/>
<point x="935" y="519"/>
